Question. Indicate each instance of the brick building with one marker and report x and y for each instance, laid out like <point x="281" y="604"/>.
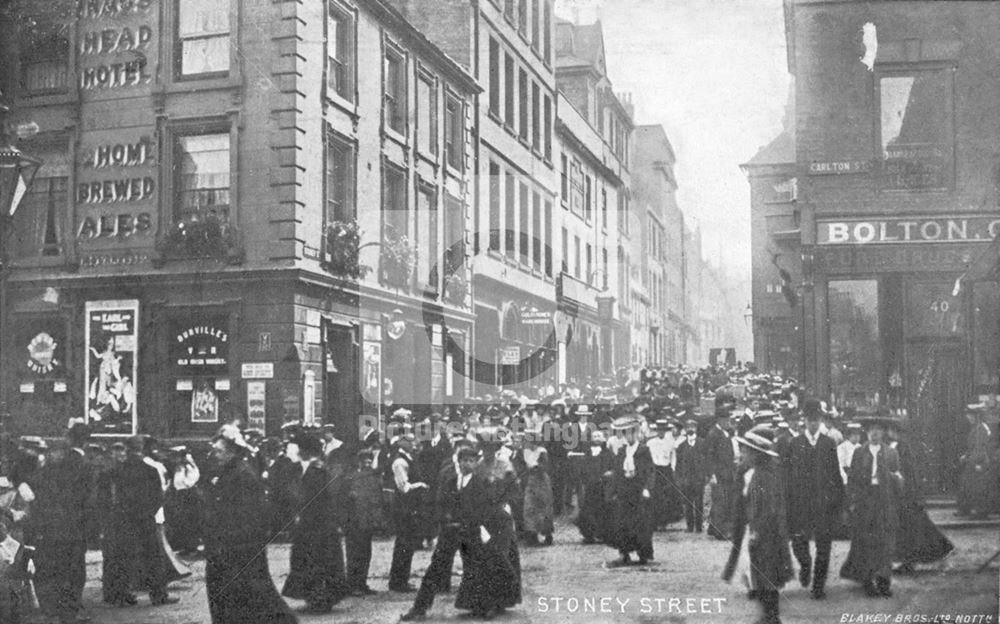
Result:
<point x="185" y="253"/>
<point x="895" y="151"/>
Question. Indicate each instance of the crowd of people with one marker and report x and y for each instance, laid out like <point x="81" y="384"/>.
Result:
<point x="734" y="454"/>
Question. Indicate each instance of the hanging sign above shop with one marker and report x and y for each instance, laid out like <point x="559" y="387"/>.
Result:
<point x="911" y="229"/>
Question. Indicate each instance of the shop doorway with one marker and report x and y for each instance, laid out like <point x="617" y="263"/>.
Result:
<point x="342" y="401"/>
<point x="936" y="398"/>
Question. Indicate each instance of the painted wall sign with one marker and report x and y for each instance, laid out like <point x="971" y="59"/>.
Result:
<point x="42" y="354"/>
<point x="257" y="370"/>
<point x="911" y="229"/>
<point x="861" y="259"/>
<point x="839" y="167"/>
<point x="201" y="349"/>
<point x="110" y="373"/>
<point x="117" y="47"/>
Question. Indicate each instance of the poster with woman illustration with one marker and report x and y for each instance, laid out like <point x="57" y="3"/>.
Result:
<point x="111" y="362"/>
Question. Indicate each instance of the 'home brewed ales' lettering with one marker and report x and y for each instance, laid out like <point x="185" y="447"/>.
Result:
<point x="114" y="225"/>
<point x="122" y="155"/>
<point x="110" y="191"/>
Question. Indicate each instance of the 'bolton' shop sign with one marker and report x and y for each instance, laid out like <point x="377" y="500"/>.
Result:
<point x="907" y="230"/>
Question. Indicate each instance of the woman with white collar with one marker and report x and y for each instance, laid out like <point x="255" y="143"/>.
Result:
<point x="634" y="478"/>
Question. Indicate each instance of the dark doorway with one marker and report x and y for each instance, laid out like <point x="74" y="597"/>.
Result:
<point x="343" y="386"/>
<point x="936" y="398"/>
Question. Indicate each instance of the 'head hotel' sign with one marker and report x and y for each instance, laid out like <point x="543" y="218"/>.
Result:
<point x="907" y="230"/>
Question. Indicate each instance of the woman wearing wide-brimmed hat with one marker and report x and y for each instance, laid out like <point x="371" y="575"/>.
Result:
<point x="760" y="532"/>
<point x="873" y="488"/>
<point x="634" y="479"/>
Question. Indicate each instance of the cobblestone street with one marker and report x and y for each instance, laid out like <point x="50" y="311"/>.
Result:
<point x="557" y="580"/>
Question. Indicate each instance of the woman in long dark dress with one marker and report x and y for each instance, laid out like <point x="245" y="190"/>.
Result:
<point x="872" y="488"/>
<point x="238" y="581"/>
<point x="919" y="540"/>
<point x="317" y="560"/>
<point x="493" y="582"/>
<point x="760" y="524"/>
<point x="634" y="479"/>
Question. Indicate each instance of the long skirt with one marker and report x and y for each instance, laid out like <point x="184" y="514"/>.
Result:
<point x="919" y="540"/>
<point x="595" y="517"/>
<point x="538" y="503"/>
<point x="317" y="570"/>
<point x="633" y="530"/>
<point x="873" y="539"/>
<point x="491" y="572"/>
<point x="667" y="500"/>
<point x="183" y="511"/>
<point x="240" y="589"/>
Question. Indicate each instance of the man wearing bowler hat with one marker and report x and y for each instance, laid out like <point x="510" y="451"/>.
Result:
<point x="721" y="455"/>
<point x="815" y="497"/>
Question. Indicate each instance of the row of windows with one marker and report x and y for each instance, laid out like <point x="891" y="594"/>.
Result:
<point x="533" y="20"/>
<point x="396" y="110"/>
<point x="440" y="242"/>
<point x="520" y="220"/>
<point x="581" y="264"/>
<point x="577" y="191"/>
<point x="517" y="101"/>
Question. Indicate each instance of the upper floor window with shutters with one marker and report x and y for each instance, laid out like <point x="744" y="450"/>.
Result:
<point x="340" y="53"/>
<point x="203" y="177"/>
<point x="203" y="37"/>
<point x="917" y="136"/>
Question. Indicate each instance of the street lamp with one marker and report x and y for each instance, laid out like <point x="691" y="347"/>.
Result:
<point x="748" y="315"/>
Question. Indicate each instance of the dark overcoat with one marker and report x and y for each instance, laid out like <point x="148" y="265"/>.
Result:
<point x="815" y="487"/>
<point x="762" y="512"/>
<point x="237" y="578"/>
<point x="633" y="531"/>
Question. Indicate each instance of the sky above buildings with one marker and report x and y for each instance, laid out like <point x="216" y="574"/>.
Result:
<point x="714" y="74"/>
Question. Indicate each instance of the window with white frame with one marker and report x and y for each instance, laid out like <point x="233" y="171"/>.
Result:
<point x="426" y="115"/>
<point x="340" y="52"/>
<point x="203" y="176"/>
<point x="203" y="37"/>
<point x="395" y="90"/>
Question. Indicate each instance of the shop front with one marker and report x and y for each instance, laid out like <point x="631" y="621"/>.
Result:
<point x="896" y="331"/>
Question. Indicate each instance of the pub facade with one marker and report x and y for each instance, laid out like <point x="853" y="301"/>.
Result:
<point x="897" y="196"/>
<point x="223" y="231"/>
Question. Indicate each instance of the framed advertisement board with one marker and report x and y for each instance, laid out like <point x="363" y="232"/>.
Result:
<point x="110" y="374"/>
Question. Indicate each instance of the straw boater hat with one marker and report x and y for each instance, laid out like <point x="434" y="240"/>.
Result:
<point x="624" y="423"/>
<point x="760" y="438"/>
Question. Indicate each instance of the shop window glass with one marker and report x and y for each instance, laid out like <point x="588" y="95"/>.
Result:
<point x="916" y="135"/>
<point x="203" y="36"/>
<point x="203" y="187"/>
<point x="855" y="355"/>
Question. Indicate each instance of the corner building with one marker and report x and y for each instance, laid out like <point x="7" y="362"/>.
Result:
<point x="180" y="259"/>
<point x="897" y="170"/>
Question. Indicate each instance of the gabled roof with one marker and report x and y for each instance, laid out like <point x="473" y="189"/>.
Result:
<point x="654" y="132"/>
<point x="580" y="45"/>
<point x="780" y="151"/>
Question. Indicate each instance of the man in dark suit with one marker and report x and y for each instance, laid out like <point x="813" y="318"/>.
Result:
<point x="435" y="452"/>
<point x="692" y="474"/>
<point x="721" y="460"/>
<point x="63" y="503"/>
<point x="437" y="578"/>
<point x="141" y="496"/>
<point x="815" y="496"/>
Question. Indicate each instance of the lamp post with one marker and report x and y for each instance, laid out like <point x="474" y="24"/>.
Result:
<point x="17" y="171"/>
